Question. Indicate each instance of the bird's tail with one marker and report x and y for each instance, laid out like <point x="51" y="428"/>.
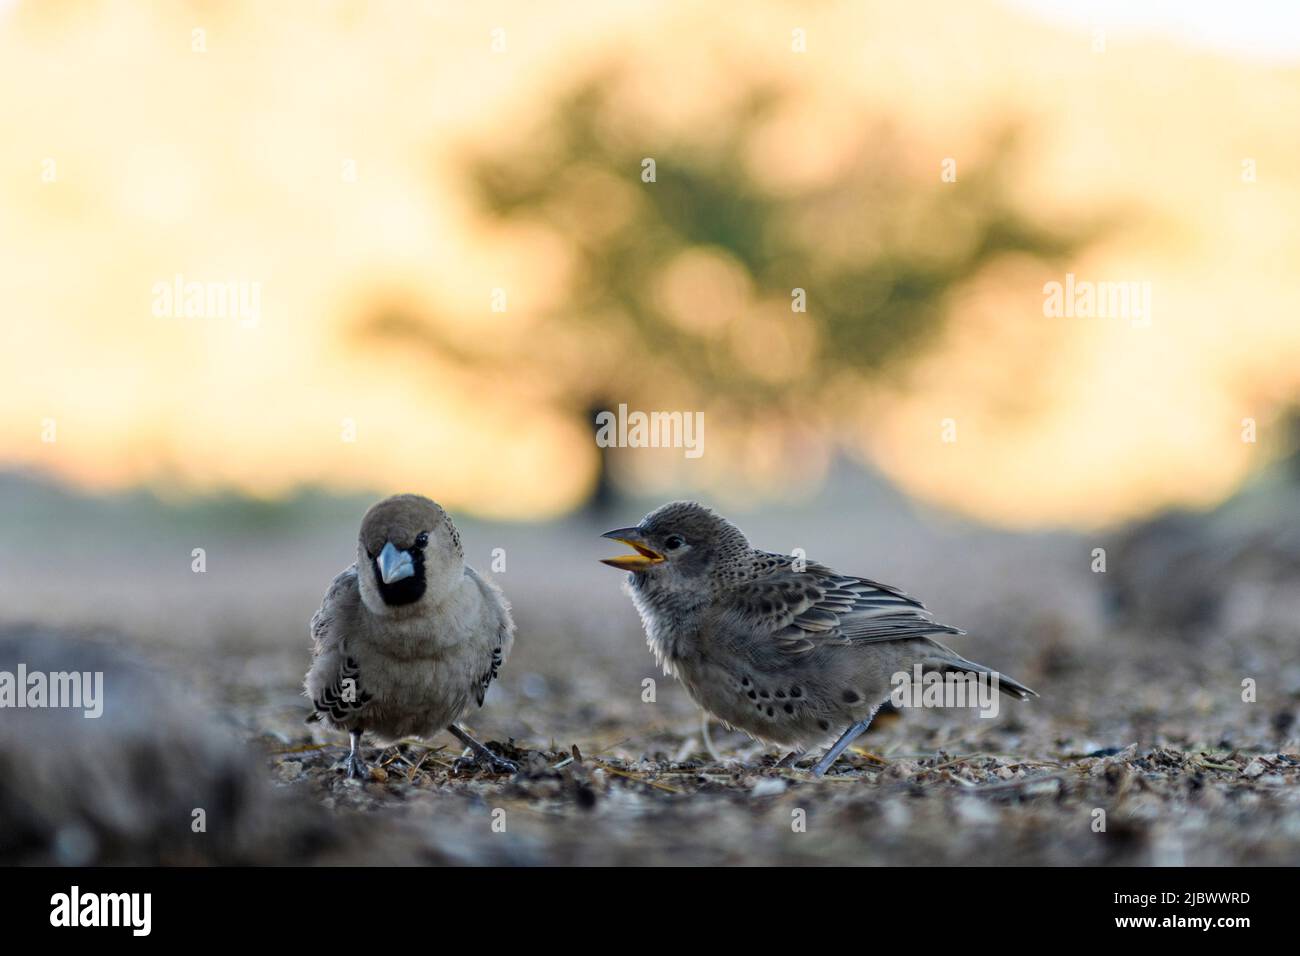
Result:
<point x="957" y="664"/>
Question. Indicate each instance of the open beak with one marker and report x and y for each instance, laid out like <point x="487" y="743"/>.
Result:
<point x="394" y="565"/>
<point x="645" y="555"/>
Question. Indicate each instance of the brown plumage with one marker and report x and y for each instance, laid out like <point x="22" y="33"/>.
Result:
<point x="409" y="635"/>
<point x="791" y="653"/>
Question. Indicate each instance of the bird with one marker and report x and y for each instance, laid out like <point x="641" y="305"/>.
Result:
<point x="788" y="650"/>
<point x="408" y="635"/>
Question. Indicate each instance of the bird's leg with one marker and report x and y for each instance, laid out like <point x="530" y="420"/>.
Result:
<point x="704" y="732"/>
<point x="846" y="738"/>
<point x="790" y="759"/>
<point x="483" y="757"/>
<point x="356" y="767"/>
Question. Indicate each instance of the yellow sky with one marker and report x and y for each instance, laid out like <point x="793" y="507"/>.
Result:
<point x="314" y="150"/>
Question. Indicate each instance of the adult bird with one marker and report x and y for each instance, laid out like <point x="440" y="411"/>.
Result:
<point x="408" y="636"/>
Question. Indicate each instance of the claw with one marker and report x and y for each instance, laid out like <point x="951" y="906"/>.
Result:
<point x="491" y="762"/>
<point x="356" y="767"/>
<point x="502" y="765"/>
<point x="480" y="757"/>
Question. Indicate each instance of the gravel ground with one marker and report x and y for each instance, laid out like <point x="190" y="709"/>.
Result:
<point x="1142" y="749"/>
<point x="1104" y="769"/>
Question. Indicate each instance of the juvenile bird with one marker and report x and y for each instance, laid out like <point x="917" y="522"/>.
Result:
<point x="789" y="652"/>
<point x="408" y="635"/>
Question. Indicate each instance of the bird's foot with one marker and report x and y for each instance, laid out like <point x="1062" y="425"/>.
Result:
<point x="822" y="766"/>
<point x="851" y="734"/>
<point x="479" y="756"/>
<point x="353" y="765"/>
<point x="355" y="768"/>
<point x="790" y="760"/>
<point x="484" y="760"/>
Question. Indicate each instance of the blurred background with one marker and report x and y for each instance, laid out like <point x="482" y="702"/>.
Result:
<point x="263" y="264"/>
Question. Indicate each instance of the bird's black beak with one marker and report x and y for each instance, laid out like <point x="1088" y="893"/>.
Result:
<point x="645" y="555"/>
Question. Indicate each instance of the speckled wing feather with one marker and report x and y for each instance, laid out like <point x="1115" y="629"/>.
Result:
<point x="497" y="611"/>
<point x="334" y="681"/>
<point x="817" y="606"/>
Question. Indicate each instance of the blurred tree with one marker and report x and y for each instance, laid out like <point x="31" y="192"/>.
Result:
<point x="683" y="287"/>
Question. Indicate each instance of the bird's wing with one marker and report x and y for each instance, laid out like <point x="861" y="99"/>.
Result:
<point x="501" y="632"/>
<point x="817" y="606"/>
<point x="334" y="680"/>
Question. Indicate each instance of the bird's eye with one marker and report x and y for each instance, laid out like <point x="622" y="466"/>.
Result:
<point x="422" y="539"/>
<point x="674" y="541"/>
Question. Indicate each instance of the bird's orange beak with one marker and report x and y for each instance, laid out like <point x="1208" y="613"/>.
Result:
<point x="645" y="555"/>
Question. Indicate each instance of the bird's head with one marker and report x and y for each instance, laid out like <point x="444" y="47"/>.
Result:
<point x="680" y="543"/>
<point x="408" y="552"/>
